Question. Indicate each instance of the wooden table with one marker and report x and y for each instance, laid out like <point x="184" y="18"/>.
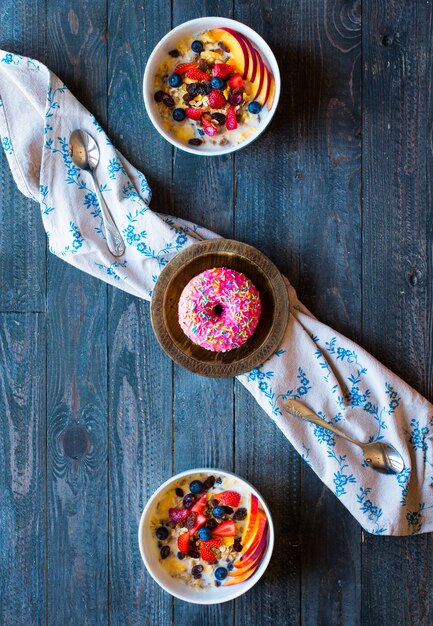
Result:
<point x="93" y="416"/>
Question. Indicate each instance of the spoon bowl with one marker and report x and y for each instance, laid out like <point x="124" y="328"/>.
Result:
<point x="84" y="152"/>
<point x="382" y="457"/>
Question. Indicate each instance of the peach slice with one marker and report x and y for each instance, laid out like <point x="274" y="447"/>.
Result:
<point x="264" y="92"/>
<point x="234" y="580"/>
<point x="257" y="83"/>
<point x="271" y="93"/>
<point x="237" y="47"/>
<point x="253" y="63"/>
<point x="250" y="552"/>
<point x="251" y="520"/>
<point x="253" y="565"/>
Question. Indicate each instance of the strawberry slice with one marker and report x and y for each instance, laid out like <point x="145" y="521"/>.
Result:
<point x="223" y="70"/>
<point x="193" y="114"/>
<point x="178" y="515"/>
<point x="216" y="99"/>
<point x="195" y="74"/>
<point x="201" y="519"/>
<point x="183" y="68"/>
<point x="229" y="498"/>
<point x="209" y="128"/>
<point x="183" y="543"/>
<point x="215" y="542"/>
<point x="231" y="121"/>
<point x="225" y="529"/>
<point x="200" y="505"/>
<point x="206" y="553"/>
<point x="236" y="81"/>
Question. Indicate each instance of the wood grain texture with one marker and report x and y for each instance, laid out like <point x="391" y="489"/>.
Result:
<point x="77" y="366"/>
<point x="22" y="240"/>
<point x="397" y="281"/>
<point x="140" y="375"/>
<point x="22" y="469"/>
<point x="210" y="203"/>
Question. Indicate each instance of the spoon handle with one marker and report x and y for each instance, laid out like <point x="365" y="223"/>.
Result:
<point x="300" y="410"/>
<point x="115" y="243"/>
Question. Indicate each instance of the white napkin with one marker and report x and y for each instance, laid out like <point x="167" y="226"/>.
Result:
<point x="329" y="373"/>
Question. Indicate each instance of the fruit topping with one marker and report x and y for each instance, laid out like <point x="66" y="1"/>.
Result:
<point x="235" y="81"/>
<point x="216" y="99"/>
<point x="211" y="523"/>
<point x="231" y="121"/>
<point x="180" y="556"/>
<point x="183" y="543"/>
<point x="178" y="515"/>
<point x="196" y="571"/>
<point x="175" y="80"/>
<point x="195" y="141"/>
<point x="220" y="118"/>
<point x="223" y="70"/>
<point x="193" y="113"/>
<point x="208" y="127"/>
<point x="209" y="483"/>
<point x="218" y="511"/>
<point x="196" y="74"/>
<point x="196" y="486"/>
<point x="183" y="68"/>
<point x="191" y="520"/>
<point x="217" y="83"/>
<point x="158" y="95"/>
<point x="201" y="520"/>
<point x="200" y="505"/>
<point x="179" y="492"/>
<point x="179" y="115"/>
<point x="229" y="498"/>
<point x="204" y="533"/>
<point x="254" y="107"/>
<point x="221" y="573"/>
<point x="168" y="100"/>
<point x="215" y="542"/>
<point x="164" y="552"/>
<point x="193" y="553"/>
<point x="197" y="46"/>
<point x="225" y="529"/>
<point x="189" y="499"/>
<point x="240" y="514"/>
<point x="235" y="99"/>
<point x="162" y="533"/>
<point x="237" y="544"/>
<point x="206" y="553"/>
<point x="174" y="53"/>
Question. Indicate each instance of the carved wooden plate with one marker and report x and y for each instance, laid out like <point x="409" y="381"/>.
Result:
<point x="194" y="260"/>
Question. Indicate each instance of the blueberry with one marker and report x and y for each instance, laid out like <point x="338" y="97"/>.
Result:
<point x="165" y="551"/>
<point x="204" y="534"/>
<point x="197" y="46"/>
<point x="179" y="115"/>
<point x="197" y="569"/>
<point x="218" y="511"/>
<point x="221" y="573"/>
<point x="217" y="83"/>
<point x="196" y="486"/>
<point x="162" y="533"/>
<point x="175" y="80"/>
<point x="254" y="107"/>
<point x="189" y="499"/>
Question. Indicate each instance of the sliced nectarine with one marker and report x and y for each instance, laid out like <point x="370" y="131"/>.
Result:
<point x="237" y="47"/>
<point x="251" y="519"/>
<point x="249" y="551"/>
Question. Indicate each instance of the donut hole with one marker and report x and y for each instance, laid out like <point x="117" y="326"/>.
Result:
<point x="218" y="310"/>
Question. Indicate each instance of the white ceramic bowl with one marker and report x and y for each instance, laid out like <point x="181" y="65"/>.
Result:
<point x="169" y="42"/>
<point x="176" y="587"/>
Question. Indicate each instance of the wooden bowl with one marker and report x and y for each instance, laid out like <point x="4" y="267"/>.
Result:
<point x="194" y="260"/>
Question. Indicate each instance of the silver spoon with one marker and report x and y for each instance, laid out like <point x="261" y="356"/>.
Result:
<point x="381" y="457"/>
<point x="84" y="153"/>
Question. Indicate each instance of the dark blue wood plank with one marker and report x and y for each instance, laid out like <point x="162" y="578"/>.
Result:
<point x="203" y="405"/>
<point x="22" y="240"/>
<point x="22" y="469"/>
<point x="140" y="375"/>
<point x="397" y="263"/>
<point x="77" y="367"/>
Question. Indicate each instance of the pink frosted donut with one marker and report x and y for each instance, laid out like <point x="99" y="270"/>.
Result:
<point x="219" y="309"/>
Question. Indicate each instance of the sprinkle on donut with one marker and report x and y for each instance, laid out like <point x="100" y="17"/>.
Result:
<point x="219" y="309"/>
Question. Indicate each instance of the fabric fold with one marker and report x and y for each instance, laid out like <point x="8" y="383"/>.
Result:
<point x="332" y="375"/>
